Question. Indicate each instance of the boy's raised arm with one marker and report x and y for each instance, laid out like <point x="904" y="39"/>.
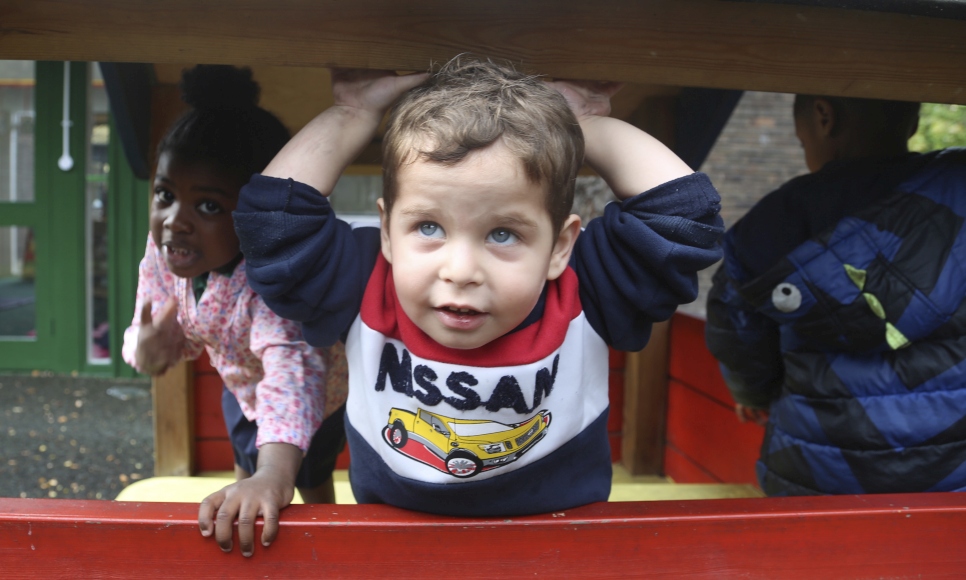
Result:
<point x="319" y="153"/>
<point x="638" y="261"/>
<point x="629" y="160"/>
<point x="307" y="265"/>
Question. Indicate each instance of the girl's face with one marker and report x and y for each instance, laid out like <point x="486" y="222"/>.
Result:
<point x="191" y="216"/>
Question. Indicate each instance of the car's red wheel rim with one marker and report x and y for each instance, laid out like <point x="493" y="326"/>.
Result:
<point x="461" y="466"/>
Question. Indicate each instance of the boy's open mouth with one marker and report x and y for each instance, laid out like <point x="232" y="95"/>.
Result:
<point x="459" y="318"/>
<point x="460" y="311"/>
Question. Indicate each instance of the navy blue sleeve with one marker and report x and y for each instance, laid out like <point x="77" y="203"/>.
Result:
<point x="745" y="341"/>
<point x="306" y="264"/>
<point x="640" y="260"/>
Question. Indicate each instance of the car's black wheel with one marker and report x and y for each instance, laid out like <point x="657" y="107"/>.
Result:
<point x="398" y="434"/>
<point x="463" y="464"/>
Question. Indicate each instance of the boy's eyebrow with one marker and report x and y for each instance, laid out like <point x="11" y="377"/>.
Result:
<point x="516" y="221"/>
<point x="418" y="212"/>
<point x="504" y="220"/>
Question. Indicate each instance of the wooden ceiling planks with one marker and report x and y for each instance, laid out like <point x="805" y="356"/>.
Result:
<point x="700" y="43"/>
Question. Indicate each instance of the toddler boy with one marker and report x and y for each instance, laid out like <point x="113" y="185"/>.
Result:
<point x="477" y="318"/>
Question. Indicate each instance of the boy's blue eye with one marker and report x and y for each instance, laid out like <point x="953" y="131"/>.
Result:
<point x="430" y="230"/>
<point x="209" y="207"/>
<point x="502" y="236"/>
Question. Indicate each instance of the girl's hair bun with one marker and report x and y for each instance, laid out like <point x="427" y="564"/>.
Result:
<point x="219" y="87"/>
<point x="224" y="128"/>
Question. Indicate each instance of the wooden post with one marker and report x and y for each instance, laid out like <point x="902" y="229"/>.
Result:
<point x="645" y="404"/>
<point x="173" y="397"/>
<point x="173" y="392"/>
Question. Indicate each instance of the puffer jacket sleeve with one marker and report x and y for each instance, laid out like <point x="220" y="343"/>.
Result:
<point x="745" y="342"/>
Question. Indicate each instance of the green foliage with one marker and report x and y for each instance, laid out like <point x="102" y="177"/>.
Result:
<point x="940" y="126"/>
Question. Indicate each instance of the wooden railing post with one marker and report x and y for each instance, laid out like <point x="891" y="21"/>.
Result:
<point x="645" y="405"/>
<point x="173" y="396"/>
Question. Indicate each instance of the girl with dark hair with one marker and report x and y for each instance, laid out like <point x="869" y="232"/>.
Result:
<point x="193" y="295"/>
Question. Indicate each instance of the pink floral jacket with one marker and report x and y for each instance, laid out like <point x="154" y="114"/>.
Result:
<point x="282" y="383"/>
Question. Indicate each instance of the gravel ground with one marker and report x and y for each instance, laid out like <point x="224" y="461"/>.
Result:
<point x="73" y="437"/>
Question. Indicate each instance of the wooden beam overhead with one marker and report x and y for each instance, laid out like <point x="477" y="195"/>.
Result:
<point x="698" y="43"/>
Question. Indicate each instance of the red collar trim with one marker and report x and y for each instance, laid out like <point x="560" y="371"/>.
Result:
<point x="381" y="312"/>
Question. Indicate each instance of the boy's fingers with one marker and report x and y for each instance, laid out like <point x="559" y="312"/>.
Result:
<point x="412" y="80"/>
<point x="740" y="412"/>
<point x="608" y="88"/>
<point x="246" y="528"/>
<point x="745" y="414"/>
<point x="603" y="87"/>
<point x="761" y="417"/>
<point x="354" y="74"/>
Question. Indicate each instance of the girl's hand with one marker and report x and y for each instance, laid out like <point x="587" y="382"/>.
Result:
<point x="264" y="494"/>
<point x="587" y="98"/>
<point x="160" y="339"/>
<point x="371" y="90"/>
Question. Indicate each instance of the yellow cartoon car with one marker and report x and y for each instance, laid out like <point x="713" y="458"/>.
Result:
<point x="461" y="447"/>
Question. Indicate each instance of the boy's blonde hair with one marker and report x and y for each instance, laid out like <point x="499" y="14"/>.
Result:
<point x="470" y="104"/>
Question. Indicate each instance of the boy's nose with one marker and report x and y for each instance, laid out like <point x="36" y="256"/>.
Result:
<point x="461" y="265"/>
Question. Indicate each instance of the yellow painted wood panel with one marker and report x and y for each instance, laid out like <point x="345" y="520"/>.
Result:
<point x="625" y="488"/>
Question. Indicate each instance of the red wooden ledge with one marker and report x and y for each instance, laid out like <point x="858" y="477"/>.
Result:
<point x="826" y="537"/>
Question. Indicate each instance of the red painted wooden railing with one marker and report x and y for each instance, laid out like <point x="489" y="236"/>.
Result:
<point x="705" y="442"/>
<point x="886" y="536"/>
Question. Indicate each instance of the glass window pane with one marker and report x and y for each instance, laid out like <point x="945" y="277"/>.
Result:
<point x="16" y="130"/>
<point x="354" y="197"/>
<point x="18" y="319"/>
<point x="98" y="138"/>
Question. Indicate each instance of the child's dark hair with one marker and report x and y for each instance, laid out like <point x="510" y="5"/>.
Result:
<point x="876" y="120"/>
<point x="225" y="126"/>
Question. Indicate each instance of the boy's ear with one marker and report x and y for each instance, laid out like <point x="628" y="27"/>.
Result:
<point x="563" y="247"/>
<point x="823" y="114"/>
<point x="384" y="231"/>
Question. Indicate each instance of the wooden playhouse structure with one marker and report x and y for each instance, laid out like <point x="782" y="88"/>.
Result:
<point x="682" y="59"/>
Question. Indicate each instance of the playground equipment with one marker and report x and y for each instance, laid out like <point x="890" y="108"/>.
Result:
<point x="914" y="50"/>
